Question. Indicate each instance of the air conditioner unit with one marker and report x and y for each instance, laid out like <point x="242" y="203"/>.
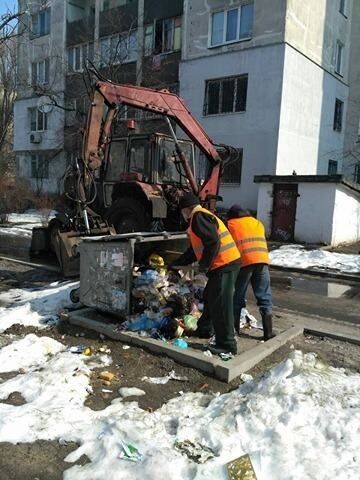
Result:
<point x="35" y="137"/>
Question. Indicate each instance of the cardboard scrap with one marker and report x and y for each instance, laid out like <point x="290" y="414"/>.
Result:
<point x="107" y="376"/>
<point x="241" y="469"/>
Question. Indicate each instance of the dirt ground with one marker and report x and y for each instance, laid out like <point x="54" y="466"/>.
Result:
<point x="44" y="460"/>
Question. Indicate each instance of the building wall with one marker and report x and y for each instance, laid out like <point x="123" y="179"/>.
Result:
<point x="255" y="130"/>
<point x="346" y="216"/>
<point x="335" y="220"/>
<point x="265" y="205"/>
<point x="268" y="28"/>
<point x="351" y="155"/>
<point x="314" y="225"/>
<point x="30" y="50"/>
<point x="53" y="184"/>
<point x="313" y="28"/>
<point x="307" y="140"/>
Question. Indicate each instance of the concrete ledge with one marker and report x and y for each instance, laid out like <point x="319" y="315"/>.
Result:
<point x="351" y="277"/>
<point x="247" y="360"/>
<point x="189" y="357"/>
<point x="327" y="332"/>
<point x="224" y="371"/>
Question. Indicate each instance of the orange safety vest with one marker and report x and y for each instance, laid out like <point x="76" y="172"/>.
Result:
<point x="227" y="252"/>
<point x="249" y="236"/>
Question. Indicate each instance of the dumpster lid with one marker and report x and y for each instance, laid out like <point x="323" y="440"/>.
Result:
<point x="137" y="236"/>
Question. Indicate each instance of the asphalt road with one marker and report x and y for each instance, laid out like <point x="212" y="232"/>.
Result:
<point x="307" y="294"/>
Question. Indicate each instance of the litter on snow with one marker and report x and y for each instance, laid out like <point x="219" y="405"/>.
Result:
<point x="162" y="380"/>
<point x="131" y="392"/>
<point x="285" y="421"/>
<point x="241" y="469"/>
<point x="195" y="451"/>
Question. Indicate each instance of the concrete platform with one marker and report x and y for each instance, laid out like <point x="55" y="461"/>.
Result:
<point x="252" y="350"/>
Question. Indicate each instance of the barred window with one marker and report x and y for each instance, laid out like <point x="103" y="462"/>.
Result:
<point x="232" y="171"/>
<point x="226" y="95"/>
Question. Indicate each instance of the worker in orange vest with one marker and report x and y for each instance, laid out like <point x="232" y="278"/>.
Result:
<point x="215" y="250"/>
<point x="249" y="235"/>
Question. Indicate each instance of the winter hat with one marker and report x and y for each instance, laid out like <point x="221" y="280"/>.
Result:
<point x="237" y="211"/>
<point x="188" y="200"/>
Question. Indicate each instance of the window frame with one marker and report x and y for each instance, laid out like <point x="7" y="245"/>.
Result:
<point x="332" y="165"/>
<point x="221" y="80"/>
<point x="107" y="58"/>
<point x="356" y="174"/>
<point x="35" y="160"/>
<point x="84" y="51"/>
<point x="338" y="115"/>
<point x="339" y="58"/>
<point x="174" y="29"/>
<point x="226" y="11"/>
<point x="36" y="20"/>
<point x="36" y="121"/>
<point x="35" y="72"/>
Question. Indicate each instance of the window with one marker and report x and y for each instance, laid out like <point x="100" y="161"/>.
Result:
<point x="40" y="23"/>
<point x="231" y="25"/>
<point x="167" y="36"/>
<point x="342" y="7"/>
<point x="332" y="167"/>
<point x="338" y="115"/>
<point x="339" y="58"/>
<point x="38" y="120"/>
<point x="226" y="95"/>
<point x="78" y="55"/>
<point x="139" y="153"/>
<point x="107" y="4"/>
<point x="116" y="162"/>
<point x="40" y="72"/>
<point x="170" y="170"/>
<point x="357" y="173"/>
<point x="232" y="171"/>
<point x="119" y="48"/>
<point x="39" y="166"/>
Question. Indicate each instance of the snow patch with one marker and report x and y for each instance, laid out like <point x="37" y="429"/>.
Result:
<point x="297" y="256"/>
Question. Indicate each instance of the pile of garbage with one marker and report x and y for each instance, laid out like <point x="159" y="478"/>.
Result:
<point x="165" y="304"/>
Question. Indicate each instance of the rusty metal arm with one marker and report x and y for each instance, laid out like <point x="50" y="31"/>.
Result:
<point x="161" y="102"/>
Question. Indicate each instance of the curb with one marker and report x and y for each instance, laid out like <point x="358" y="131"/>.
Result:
<point x="31" y="264"/>
<point x="318" y="273"/>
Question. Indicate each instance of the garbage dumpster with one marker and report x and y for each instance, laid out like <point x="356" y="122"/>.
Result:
<point x="107" y="263"/>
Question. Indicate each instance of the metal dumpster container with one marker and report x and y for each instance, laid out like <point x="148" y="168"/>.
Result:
<point x="107" y="263"/>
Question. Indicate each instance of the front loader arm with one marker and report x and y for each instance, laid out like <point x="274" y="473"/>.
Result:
<point x="97" y="133"/>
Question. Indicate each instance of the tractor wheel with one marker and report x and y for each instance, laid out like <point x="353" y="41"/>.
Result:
<point x="128" y="215"/>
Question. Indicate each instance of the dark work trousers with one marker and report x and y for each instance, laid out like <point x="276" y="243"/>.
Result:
<point x="259" y="277"/>
<point x="218" y="314"/>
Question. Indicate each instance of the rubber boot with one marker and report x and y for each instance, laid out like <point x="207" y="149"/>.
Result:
<point x="267" y="326"/>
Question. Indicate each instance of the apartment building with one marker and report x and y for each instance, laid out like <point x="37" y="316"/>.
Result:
<point x="279" y="81"/>
<point x="130" y="41"/>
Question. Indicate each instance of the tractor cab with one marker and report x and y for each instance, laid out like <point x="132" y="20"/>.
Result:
<point x="141" y="181"/>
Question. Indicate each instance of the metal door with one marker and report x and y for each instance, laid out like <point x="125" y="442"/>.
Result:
<point x="284" y="211"/>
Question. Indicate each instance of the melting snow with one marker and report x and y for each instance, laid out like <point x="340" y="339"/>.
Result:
<point x="301" y="412"/>
<point x="34" y="307"/>
<point x="297" y="256"/>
